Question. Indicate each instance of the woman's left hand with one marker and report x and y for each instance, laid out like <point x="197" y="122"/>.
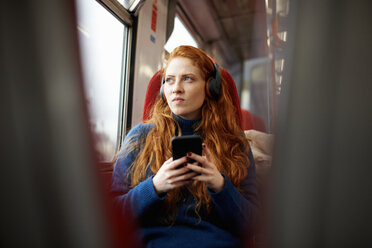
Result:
<point x="207" y="170"/>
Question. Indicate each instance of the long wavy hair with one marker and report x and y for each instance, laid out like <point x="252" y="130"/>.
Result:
<point x="219" y="129"/>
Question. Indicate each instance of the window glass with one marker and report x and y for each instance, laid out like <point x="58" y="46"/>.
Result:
<point x="179" y="36"/>
<point x="101" y="38"/>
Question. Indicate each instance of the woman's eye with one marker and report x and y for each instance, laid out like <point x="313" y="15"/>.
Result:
<point x="168" y="80"/>
<point x="188" y="78"/>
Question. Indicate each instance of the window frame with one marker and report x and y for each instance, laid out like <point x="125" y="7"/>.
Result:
<point x="124" y="111"/>
<point x="118" y="10"/>
<point x="125" y="17"/>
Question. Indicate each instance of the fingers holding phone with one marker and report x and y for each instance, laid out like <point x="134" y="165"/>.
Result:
<point x="187" y="150"/>
<point x="172" y="175"/>
<point x="207" y="172"/>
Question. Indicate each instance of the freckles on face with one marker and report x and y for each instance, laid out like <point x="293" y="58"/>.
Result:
<point x="184" y="88"/>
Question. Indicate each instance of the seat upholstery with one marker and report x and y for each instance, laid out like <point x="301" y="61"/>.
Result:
<point x="259" y="123"/>
<point x="251" y="121"/>
<point x="248" y="121"/>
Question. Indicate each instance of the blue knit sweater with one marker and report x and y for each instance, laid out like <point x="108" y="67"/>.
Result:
<point x="231" y="218"/>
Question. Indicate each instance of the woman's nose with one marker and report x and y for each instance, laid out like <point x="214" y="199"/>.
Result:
<point x="177" y="87"/>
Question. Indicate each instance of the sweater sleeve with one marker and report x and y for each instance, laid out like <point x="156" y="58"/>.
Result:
<point x="238" y="210"/>
<point x="142" y="197"/>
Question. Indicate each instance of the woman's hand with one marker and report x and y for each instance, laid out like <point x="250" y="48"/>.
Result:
<point x="170" y="176"/>
<point x="208" y="171"/>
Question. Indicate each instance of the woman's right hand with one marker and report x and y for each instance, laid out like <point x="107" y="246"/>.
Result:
<point x="170" y="176"/>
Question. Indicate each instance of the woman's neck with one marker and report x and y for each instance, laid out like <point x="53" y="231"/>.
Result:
<point x="187" y="126"/>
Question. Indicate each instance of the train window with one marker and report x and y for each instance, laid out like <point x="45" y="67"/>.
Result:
<point x="102" y="39"/>
<point x="179" y="36"/>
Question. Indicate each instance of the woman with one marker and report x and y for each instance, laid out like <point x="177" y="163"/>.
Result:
<point x="210" y="203"/>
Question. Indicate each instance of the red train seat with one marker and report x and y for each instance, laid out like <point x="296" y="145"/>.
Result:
<point x="251" y="121"/>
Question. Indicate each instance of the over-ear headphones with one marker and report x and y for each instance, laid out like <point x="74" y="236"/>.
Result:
<point x="212" y="87"/>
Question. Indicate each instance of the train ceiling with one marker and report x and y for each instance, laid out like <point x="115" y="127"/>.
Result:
<point x="236" y="27"/>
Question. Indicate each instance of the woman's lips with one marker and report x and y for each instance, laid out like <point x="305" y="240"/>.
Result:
<point x="178" y="100"/>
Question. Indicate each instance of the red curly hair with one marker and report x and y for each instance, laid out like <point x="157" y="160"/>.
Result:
<point x="219" y="129"/>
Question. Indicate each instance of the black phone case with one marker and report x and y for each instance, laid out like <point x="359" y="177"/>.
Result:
<point x="181" y="145"/>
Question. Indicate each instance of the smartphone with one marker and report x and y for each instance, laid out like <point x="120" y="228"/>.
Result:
<point x="181" y="145"/>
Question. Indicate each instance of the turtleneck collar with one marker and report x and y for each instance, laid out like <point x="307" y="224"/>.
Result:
<point x="187" y="126"/>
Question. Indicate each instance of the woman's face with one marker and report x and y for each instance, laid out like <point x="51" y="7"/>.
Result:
<point x="184" y="88"/>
